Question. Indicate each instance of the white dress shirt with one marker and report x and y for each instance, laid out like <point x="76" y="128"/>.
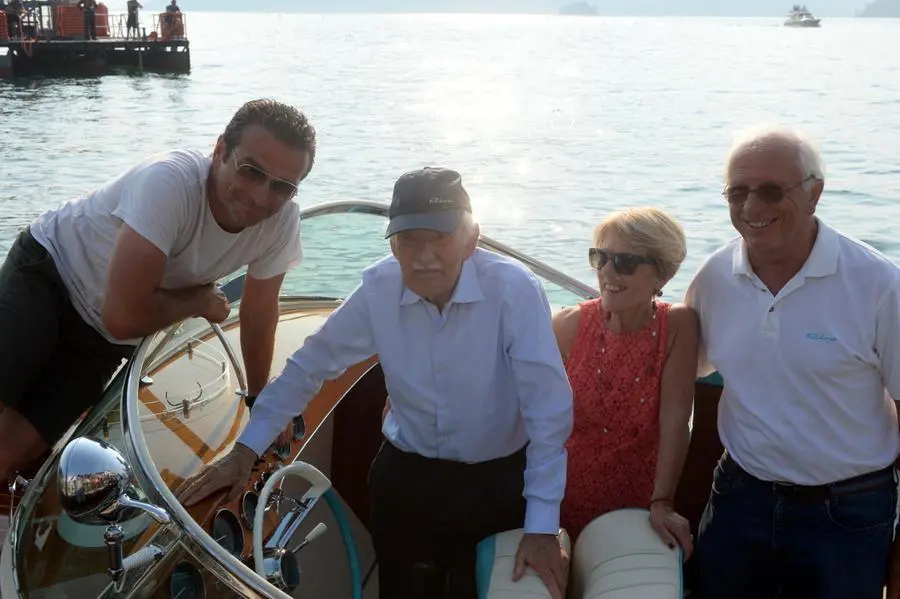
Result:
<point x="471" y="384"/>
<point x="806" y="371"/>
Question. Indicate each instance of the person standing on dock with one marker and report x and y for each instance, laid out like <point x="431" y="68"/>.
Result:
<point x="85" y="282"/>
<point x="14" y="10"/>
<point x="171" y="10"/>
<point x="90" y="18"/>
<point x="803" y="324"/>
<point x="173" y="26"/>
<point x="132" y="22"/>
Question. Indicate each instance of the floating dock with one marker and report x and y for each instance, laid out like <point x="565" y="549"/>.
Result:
<point x="49" y="39"/>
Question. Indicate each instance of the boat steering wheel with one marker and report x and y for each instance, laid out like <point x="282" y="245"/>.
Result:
<point x="277" y="564"/>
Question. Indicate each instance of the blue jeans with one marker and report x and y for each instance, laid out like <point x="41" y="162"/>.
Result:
<point x="761" y="540"/>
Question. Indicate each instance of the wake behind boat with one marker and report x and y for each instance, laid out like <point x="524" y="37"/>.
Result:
<point x="801" y="17"/>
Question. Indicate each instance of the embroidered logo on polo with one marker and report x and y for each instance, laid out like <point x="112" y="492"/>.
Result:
<point x="821" y="337"/>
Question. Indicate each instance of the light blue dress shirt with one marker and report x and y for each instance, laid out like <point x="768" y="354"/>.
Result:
<point x="472" y="383"/>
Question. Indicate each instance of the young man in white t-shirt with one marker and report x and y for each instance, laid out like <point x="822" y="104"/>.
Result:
<point x="86" y="281"/>
<point x="803" y="324"/>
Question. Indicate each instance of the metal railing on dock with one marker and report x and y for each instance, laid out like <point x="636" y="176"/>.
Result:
<point x="161" y="28"/>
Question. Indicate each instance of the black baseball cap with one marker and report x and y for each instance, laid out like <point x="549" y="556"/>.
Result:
<point x="428" y="198"/>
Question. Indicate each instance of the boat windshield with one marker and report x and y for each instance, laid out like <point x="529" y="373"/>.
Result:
<point x="342" y="238"/>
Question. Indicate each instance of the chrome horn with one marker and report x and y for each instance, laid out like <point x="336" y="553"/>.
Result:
<point x="94" y="488"/>
<point x="94" y="482"/>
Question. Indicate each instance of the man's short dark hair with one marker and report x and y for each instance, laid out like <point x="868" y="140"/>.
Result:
<point x="286" y="123"/>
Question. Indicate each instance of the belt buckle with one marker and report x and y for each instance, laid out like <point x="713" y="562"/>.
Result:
<point x="784" y="488"/>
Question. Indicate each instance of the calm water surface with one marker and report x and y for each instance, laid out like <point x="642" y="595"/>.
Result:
<point x="554" y="122"/>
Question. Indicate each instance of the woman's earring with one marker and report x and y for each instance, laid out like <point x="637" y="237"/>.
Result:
<point x="659" y="293"/>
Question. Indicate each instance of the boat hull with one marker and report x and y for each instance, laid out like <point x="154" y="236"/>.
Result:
<point x="802" y="24"/>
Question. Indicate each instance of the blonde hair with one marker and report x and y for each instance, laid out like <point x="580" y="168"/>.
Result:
<point x="651" y="229"/>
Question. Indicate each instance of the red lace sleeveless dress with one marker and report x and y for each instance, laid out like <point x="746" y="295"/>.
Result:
<point x="615" y="379"/>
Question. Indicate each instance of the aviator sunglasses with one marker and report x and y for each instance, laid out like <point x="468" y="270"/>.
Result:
<point x="253" y="175"/>
<point x="770" y="193"/>
<point x="623" y="262"/>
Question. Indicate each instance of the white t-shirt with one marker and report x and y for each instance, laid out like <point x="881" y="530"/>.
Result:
<point x="164" y="200"/>
<point x="806" y="372"/>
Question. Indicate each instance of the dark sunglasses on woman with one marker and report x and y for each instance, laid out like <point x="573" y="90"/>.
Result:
<point x="623" y="262"/>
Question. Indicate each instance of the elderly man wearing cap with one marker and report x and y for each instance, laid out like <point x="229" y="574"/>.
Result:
<point x="480" y="403"/>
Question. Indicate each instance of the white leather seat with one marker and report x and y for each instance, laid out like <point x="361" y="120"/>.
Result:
<point x="617" y="556"/>
<point x="495" y="563"/>
<point x="620" y="556"/>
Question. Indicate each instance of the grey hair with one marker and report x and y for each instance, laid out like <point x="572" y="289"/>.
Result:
<point x="808" y="157"/>
<point x="467" y="229"/>
<point x="468" y="225"/>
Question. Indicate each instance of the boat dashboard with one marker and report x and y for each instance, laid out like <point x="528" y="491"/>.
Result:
<point x="100" y="517"/>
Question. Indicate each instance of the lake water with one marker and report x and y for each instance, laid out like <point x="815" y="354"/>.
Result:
<point x="553" y="121"/>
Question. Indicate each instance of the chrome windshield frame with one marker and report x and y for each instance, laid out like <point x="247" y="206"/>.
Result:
<point x="539" y="268"/>
<point x="152" y="483"/>
<point x="145" y="469"/>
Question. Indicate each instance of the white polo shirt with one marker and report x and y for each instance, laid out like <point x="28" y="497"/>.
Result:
<point x="808" y="371"/>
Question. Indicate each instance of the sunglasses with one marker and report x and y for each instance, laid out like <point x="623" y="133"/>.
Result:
<point x="623" y="262"/>
<point x="770" y="193"/>
<point x="250" y="174"/>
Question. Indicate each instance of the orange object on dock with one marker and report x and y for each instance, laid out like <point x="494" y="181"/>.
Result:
<point x="69" y="20"/>
<point x="101" y="16"/>
<point x="171" y="25"/>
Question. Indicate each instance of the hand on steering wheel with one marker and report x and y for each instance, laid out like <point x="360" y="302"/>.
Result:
<point x="231" y="472"/>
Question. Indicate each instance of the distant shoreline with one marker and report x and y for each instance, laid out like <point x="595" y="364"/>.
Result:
<point x="881" y="9"/>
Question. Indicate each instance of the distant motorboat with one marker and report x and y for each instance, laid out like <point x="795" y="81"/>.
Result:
<point x="579" y="8"/>
<point x="801" y="17"/>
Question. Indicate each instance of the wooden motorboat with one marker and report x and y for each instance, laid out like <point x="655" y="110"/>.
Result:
<point x="99" y="517"/>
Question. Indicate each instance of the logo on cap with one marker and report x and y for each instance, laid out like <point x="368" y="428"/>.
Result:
<point x="428" y="198"/>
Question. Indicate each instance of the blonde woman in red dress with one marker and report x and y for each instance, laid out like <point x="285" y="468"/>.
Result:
<point x="632" y="362"/>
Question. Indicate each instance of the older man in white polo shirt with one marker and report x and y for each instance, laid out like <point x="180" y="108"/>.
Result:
<point x="480" y="406"/>
<point x="803" y="324"/>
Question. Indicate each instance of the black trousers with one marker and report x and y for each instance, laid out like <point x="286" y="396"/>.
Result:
<point x="12" y="25"/>
<point x="90" y="25"/>
<point x="53" y="365"/>
<point x="428" y="515"/>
